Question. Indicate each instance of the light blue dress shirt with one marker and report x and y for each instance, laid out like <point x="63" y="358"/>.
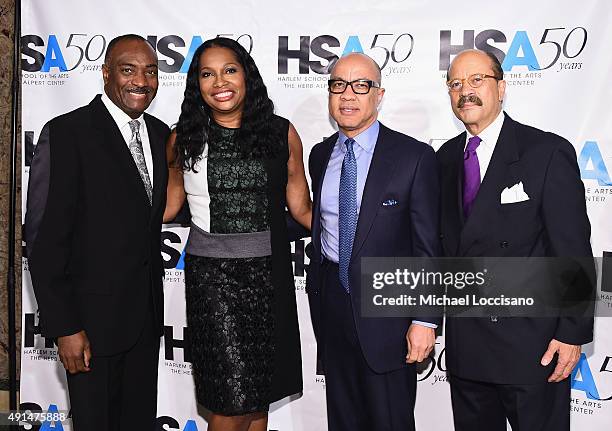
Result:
<point x="363" y="149"/>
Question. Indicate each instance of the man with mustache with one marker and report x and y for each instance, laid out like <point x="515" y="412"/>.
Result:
<point x="97" y="192"/>
<point x="375" y="195"/>
<point x="509" y="190"/>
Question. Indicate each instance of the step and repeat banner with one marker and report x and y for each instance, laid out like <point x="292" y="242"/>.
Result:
<point x="557" y="63"/>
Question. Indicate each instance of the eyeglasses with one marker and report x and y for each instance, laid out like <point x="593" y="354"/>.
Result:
<point x="475" y="81"/>
<point x="359" y="86"/>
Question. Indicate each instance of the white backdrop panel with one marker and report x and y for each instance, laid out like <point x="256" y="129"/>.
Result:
<point x="557" y="66"/>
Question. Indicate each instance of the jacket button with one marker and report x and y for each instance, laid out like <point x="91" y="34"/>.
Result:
<point x="145" y="262"/>
<point x="504" y="244"/>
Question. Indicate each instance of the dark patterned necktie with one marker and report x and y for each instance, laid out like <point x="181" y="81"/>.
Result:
<point x="471" y="175"/>
<point x="347" y="212"/>
<point x="139" y="159"/>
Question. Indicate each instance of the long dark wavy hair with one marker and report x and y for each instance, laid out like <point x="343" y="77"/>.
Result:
<point x="257" y="135"/>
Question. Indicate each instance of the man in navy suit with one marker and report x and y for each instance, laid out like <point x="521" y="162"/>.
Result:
<point x="510" y="190"/>
<point x="375" y="194"/>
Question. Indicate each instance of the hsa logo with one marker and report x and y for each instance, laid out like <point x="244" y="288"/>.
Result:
<point x="80" y="47"/>
<point x="31" y="331"/>
<point x="166" y="423"/>
<point x="47" y="425"/>
<point x="53" y="56"/>
<point x="176" y="257"/>
<point x="389" y="46"/>
<point x="592" y="166"/>
<point x="582" y="378"/>
<point x="298" y="257"/>
<point x="171" y="343"/>
<point x="521" y="51"/>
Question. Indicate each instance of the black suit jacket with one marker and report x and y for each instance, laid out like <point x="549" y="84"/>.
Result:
<point x="553" y="222"/>
<point x="402" y="169"/>
<point x="93" y="239"/>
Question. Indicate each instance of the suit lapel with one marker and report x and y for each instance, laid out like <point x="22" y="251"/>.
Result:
<point x="113" y="141"/>
<point x="379" y="174"/>
<point x="488" y="197"/>
<point x="159" y="163"/>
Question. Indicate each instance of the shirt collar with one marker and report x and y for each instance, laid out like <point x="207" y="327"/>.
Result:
<point x="366" y="139"/>
<point x="120" y="117"/>
<point x="490" y="134"/>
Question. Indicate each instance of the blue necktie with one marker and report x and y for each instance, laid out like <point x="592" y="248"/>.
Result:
<point x="347" y="212"/>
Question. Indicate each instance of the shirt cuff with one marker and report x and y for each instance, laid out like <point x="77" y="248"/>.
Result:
<point x="426" y="324"/>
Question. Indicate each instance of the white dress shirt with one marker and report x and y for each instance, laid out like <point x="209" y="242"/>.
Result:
<point x="122" y="119"/>
<point x="489" y="137"/>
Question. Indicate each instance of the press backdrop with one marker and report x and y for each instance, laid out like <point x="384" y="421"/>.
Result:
<point x="558" y="67"/>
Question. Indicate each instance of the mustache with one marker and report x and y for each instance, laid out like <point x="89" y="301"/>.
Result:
<point x="140" y="90"/>
<point x="471" y="98"/>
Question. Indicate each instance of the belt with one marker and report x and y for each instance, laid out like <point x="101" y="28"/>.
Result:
<point x="325" y="262"/>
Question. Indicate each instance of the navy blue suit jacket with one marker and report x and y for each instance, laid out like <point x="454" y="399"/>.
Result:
<point x="402" y="169"/>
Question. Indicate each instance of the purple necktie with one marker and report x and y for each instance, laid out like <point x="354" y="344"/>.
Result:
<point x="471" y="175"/>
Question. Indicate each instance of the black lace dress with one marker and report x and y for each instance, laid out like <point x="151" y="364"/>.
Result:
<point x="238" y="351"/>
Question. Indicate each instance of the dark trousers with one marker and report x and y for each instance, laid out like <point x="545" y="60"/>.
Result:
<point x="481" y="406"/>
<point x="120" y="391"/>
<point x="358" y="398"/>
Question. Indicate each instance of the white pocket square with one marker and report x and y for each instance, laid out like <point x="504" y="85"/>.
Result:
<point x="514" y="194"/>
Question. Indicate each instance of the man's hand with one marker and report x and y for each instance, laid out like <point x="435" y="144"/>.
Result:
<point x="421" y="341"/>
<point x="569" y="355"/>
<point x="74" y="352"/>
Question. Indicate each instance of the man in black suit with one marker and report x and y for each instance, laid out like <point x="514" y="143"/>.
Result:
<point x="369" y="363"/>
<point x="97" y="192"/>
<point x="514" y="191"/>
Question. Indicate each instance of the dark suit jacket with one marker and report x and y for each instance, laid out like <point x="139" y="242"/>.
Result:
<point x="402" y="169"/>
<point x="93" y="240"/>
<point x="553" y="222"/>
